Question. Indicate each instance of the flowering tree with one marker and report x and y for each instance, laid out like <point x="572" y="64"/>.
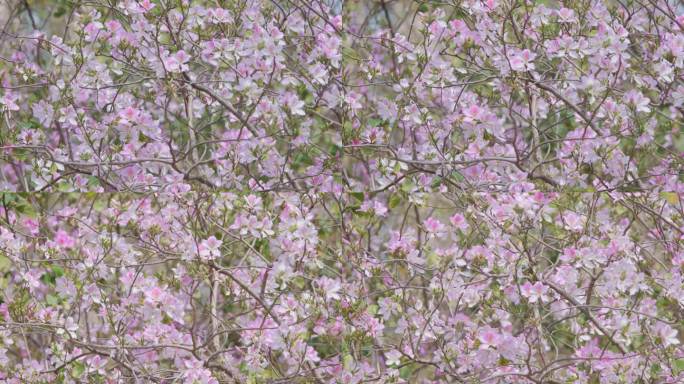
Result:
<point x="326" y="191"/>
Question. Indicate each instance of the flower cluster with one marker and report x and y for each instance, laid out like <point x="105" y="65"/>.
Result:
<point x="327" y="191"/>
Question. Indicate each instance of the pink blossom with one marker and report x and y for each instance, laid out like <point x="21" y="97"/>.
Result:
<point x="210" y="248"/>
<point x="566" y="15"/>
<point x="488" y="337"/>
<point x="433" y="225"/>
<point x="295" y="105"/>
<point x="63" y="240"/>
<point x="146" y="5"/>
<point x="667" y="334"/>
<point x="459" y="222"/>
<point x="155" y="294"/>
<point x="177" y="62"/>
<point x="573" y="221"/>
<point x="9" y="100"/>
<point x="97" y="364"/>
<point x="341" y="192"/>
<point x="637" y="100"/>
<point x="522" y="61"/>
<point x="330" y="287"/>
<point x="32" y="225"/>
<point x="535" y="292"/>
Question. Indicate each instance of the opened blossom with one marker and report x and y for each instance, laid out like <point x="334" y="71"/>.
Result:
<point x="458" y="221"/>
<point x="488" y="337"/>
<point x="535" y="292"/>
<point x="210" y="248"/>
<point x="64" y="240"/>
<point x="523" y="60"/>
<point x="433" y="225"/>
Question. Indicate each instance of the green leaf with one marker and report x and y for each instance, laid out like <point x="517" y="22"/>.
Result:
<point x="406" y="371"/>
<point x="374" y="122"/>
<point x="372" y="309"/>
<point x="60" y="12"/>
<point x="348" y="361"/>
<point x="52" y="300"/>
<point x="58" y="271"/>
<point x="671" y="197"/>
<point x="394" y="201"/>
<point x="678" y="366"/>
<point x="5" y="263"/>
<point x="78" y="370"/>
<point x="357" y="195"/>
<point x="656" y="369"/>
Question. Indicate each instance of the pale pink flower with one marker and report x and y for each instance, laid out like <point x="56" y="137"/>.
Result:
<point x="146" y="5"/>
<point x="534" y="292"/>
<point x="667" y="334"/>
<point x="210" y="248"/>
<point x="433" y="225"/>
<point x="330" y="287"/>
<point x="293" y="103"/>
<point x="566" y="15"/>
<point x="637" y="100"/>
<point x="154" y="294"/>
<point x="459" y="221"/>
<point x="177" y="62"/>
<point x="97" y="365"/>
<point x="488" y="337"/>
<point x="573" y="221"/>
<point x="9" y="100"/>
<point x="522" y="61"/>
<point x="63" y="240"/>
<point x="472" y="114"/>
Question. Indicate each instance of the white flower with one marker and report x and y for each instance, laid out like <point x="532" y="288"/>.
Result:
<point x="393" y="358"/>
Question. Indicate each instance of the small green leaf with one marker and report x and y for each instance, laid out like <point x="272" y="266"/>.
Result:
<point x="372" y="309"/>
<point x="52" y="300"/>
<point x="394" y="201"/>
<point x="374" y="122"/>
<point x="78" y="370"/>
<point x="671" y="197"/>
<point x="348" y="362"/>
<point x="357" y="195"/>
<point x="678" y="366"/>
